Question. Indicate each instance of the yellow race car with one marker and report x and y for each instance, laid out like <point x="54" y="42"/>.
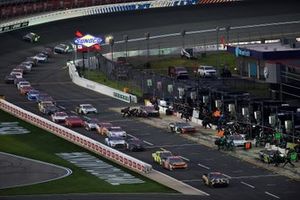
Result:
<point x="160" y="156"/>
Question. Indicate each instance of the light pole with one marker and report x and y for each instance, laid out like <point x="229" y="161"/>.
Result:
<point x="147" y="37"/>
<point x="227" y="34"/>
<point x="217" y="40"/>
<point x="110" y="40"/>
<point x="183" y="32"/>
<point x="125" y="37"/>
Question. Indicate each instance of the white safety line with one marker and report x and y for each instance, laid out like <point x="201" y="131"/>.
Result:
<point x="272" y="195"/>
<point x="247" y="184"/>
<point x="130" y="135"/>
<point x="184" y="158"/>
<point x="203" y="166"/>
<point x="227" y="176"/>
<point x="148" y="143"/>
<point x="72" y="111"/>
<point x="62" y="107"/>
<point x="256" y="176"/>
<point x="68" y="171"/>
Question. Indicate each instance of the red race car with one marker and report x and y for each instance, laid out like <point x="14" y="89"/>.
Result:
<point x="74" y="121"/>
<point x="174" y="162"/>
<point x="24" y="90"/>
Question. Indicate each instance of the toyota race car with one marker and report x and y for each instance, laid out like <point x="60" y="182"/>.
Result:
<point x="31" y="37"/>
<point x="102" y="127"/>
<point x="74" y="121"/>
<point x="134" y="144"/>
<point x="214" y="179"/>
<point x="32" y="94"/>
<point x="181" y="127"/>
<point x="91" y="124"/>
<point x="59" y="117"/>
<point x="174" y="162"/>
<point x="85" y="109"/>
<point x="115" y="142"/>
<point x="115" y="131"/>
<point x="159" y="156"/>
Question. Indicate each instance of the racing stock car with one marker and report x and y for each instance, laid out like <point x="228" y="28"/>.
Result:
<point x="85" y="109"/>
<point x="116" y="131"/>
<point x="174" y="162"/>
<point x="135" y="144"/>
<point x="74" y="121"/>
<point x="102" y="127"/>
<point x="115" y="142"/>
<point x="160" y="156"/>
<point x="181" y="127"/>
<point x="91" y="124"/>
<point x="59" y="117"/>
<point x="31" y="37"/>
<point x="215" y="179"/>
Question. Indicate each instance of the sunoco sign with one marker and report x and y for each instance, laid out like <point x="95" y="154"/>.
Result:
<point x="88" y="40"/>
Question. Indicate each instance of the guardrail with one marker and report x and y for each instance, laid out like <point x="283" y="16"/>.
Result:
<point x="86" y="11"/>
<point x="76" y="138"/>
<point x="97" y="87"/>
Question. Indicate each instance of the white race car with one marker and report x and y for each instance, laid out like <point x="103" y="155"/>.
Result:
<point x="91" y="124"/>
<point x="41" y="57"/>
<point x="115" y="142"/>
<point x="85" y="109"/>
<point x="116" y="131"/>
<point x="23" y="84"/>
<point x="59" y="117"/>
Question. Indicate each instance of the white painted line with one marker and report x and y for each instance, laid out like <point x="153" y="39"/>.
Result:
<point x="256" y="176"/>
<point x="148" y="143"/>
<point x="184" y="158"/>
<point x="73" y="112"/>
<point x="62" y="107"/>
<point x="272" y="195"/>
<point x="227" y="176"/>
<point x="131" y="135"/>
<point x="203" y="166"/>
<point x="247" y="184"/>
<point x="86" y="117"/>
<point x="163" y="149"/>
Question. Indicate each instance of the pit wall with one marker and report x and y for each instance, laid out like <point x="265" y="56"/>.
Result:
<point x="97" y="87"/>
<point x="76" y="138"/>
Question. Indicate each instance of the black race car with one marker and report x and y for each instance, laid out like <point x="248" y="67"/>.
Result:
<point x="134" y="144"/>
<point x="215" y="179"/>
<point x="31" y="37"/>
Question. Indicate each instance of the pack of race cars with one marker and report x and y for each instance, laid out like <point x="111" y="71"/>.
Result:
<point x="115" y="136"/>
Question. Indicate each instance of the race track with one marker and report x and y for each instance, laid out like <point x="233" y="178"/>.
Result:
<point x="53" y="78"/>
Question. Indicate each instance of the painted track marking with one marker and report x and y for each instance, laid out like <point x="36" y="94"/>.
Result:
<point x="204" y="166"/>
<point x="247" y="184"/>
<point x="148" y="143"/>
<point x="272" y="195"/>
<point x="184" y="158"/>
<point x="256" y="176"/>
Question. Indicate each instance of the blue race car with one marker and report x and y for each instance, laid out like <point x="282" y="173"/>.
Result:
<point x="32" y="94"/>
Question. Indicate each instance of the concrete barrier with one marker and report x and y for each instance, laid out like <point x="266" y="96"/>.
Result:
<point x="76" y="138"/>
<point x="97" y="87"/>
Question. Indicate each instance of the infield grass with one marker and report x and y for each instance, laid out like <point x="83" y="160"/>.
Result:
<point x="42" y="145"/>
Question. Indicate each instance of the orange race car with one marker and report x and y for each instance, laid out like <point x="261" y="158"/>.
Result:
<point x="102" y="127"/>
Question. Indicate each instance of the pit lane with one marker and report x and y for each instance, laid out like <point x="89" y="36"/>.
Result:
<point x="52" y="77"/>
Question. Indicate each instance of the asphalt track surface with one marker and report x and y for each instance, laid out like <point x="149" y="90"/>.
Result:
<point x="20" y="171"/>
<point x="248" y="181"/>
